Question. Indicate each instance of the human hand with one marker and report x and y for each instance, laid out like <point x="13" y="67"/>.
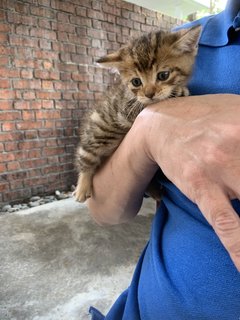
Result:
<point x="196" y="142"/>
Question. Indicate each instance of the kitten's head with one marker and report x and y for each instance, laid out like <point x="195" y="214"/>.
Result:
<point x="154" y="65"/>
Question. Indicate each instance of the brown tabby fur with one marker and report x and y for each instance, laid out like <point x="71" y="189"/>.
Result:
<point x="107" y="124"/>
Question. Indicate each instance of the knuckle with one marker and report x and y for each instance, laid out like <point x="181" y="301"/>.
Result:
<point x="214" y="155"/>
<point x="225" y="222"/>
<point x="196" y="182"/>
<point x="192" y="174"/>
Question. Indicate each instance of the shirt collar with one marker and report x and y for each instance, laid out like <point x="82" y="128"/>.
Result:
<point x="215" y="28"/>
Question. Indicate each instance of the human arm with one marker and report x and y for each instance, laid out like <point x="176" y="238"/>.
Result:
<point x="196" y="142"/>
<point x="119" y="185"/>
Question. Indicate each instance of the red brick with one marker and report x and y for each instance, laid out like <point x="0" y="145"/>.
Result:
<point x="124" y="22"/>
<point x="45" y="24"/>
<point x="4" y="61"/>
<point x="6" y="94"/>
<point x="35" y="104"/>
<point x="64" y="104"/>
<point x="47" y="65"/>
<point x="63" y="17"/>
<point x="83" y="96"/>
<point x="62" y="36"/>
<point x="28" y="115"/>
<point x="113" y="10"/>
<point x="95" y="15"/>
<point x="16" y="184"/>
<point x="36" y="153"/>
<point x="65" y="76"/>
<point x="96" y="24"/>
<point x="97" y="34"/>
<point x="22" y="105"/>
<point x="3" y="168"/>
<point x="54" y="75"/>
<point x="45" y="3"/>
<point x="82" y="77"/>
<point x="43" y="12"/>
<point x="30" y="134"/>
<point x="4" y="27"/>
<point x="41" y="74"/>
<point x="26" y="125"/>
<point x="9" y="73"/>
<point x="36" y="181"/>
<point x="4" y="186"/>
<point x="29" y="95"/>
<point x="23" y="42"/>
<point x="47" y="104"/>
<point x="17" y="195"/>
<point x="63" y="6"/>
<point x="23" y="30"/>
<point x="11" y="136"/>
<point x="21" y="8"/>
<point x="81" y="11"/>
<point x="21" y="19"/>
<point x="46" y="75"/>
<point x="49" y="123"/>
<point x="13" y="166"/>
<point x="46" y="95"/>
<point x="34" y="144"/>
<point x="65" y="85"/>
<point x="47" y="85"/>
<point x="53" y="151"/>
<point x="11" y="146"/>
<point x="5" y="157"/>
<point x="26" y="63"/>
<point x="45" y="55"/>
<point x="4" y="84"/>
<point x="8" y="126"/>
<point x="2" y="15"/>
<point x="26" y="73"/>
<point x="45" y="44"/>
<point x="146" y="28"/>
<point x="10" y="115"/>
<point x="48" y="114"/>
<point x="3" y="37"/>
<point x="26" y="84"/>
<point x="42" y="33"/>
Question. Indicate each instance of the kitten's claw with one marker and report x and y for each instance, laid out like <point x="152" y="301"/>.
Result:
<point x="181" y="92"/>
<point x="82" y="193"/>
<point x="81" y="196"/>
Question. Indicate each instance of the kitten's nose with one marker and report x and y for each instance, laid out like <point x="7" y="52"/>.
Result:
<point x="149" y="94"/>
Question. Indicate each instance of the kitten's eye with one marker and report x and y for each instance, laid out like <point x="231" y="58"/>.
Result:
<point x="163" y="75"/>
<point x="136" y="82"/>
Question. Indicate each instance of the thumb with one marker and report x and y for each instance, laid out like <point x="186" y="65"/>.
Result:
<point x="217" y="209"/>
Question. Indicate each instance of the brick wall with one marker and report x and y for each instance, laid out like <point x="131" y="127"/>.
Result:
<point x="48" y="78"/>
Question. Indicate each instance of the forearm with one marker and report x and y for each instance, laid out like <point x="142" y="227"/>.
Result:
<point x="119" y="186"/>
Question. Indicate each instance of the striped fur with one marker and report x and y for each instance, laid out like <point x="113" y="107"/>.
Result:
<point x="109" y="121"/>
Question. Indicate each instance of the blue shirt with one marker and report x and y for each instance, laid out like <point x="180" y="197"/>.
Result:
<point x="185" y="272"/>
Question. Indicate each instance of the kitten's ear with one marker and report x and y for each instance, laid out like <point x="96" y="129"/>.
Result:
<point x="188" y="40"/>
<point x="112" y="60"/>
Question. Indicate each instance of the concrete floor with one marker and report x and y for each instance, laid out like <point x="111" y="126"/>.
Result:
<point x="55" y="261"/>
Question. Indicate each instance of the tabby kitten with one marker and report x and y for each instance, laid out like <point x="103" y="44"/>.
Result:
<point x="152" y="68"/>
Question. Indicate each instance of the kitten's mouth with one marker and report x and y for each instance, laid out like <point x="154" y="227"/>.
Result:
<point x="147" y="102"/>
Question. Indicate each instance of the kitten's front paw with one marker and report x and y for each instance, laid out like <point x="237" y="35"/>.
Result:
<point x="82" y="193"/>
<point x="181" y="92"/>
<point x="83" y="189"/>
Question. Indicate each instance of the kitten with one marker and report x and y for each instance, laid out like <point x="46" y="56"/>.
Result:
<point x="152" y="68"/>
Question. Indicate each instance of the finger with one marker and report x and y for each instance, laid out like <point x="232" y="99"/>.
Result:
<point x="217" y="209"/>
